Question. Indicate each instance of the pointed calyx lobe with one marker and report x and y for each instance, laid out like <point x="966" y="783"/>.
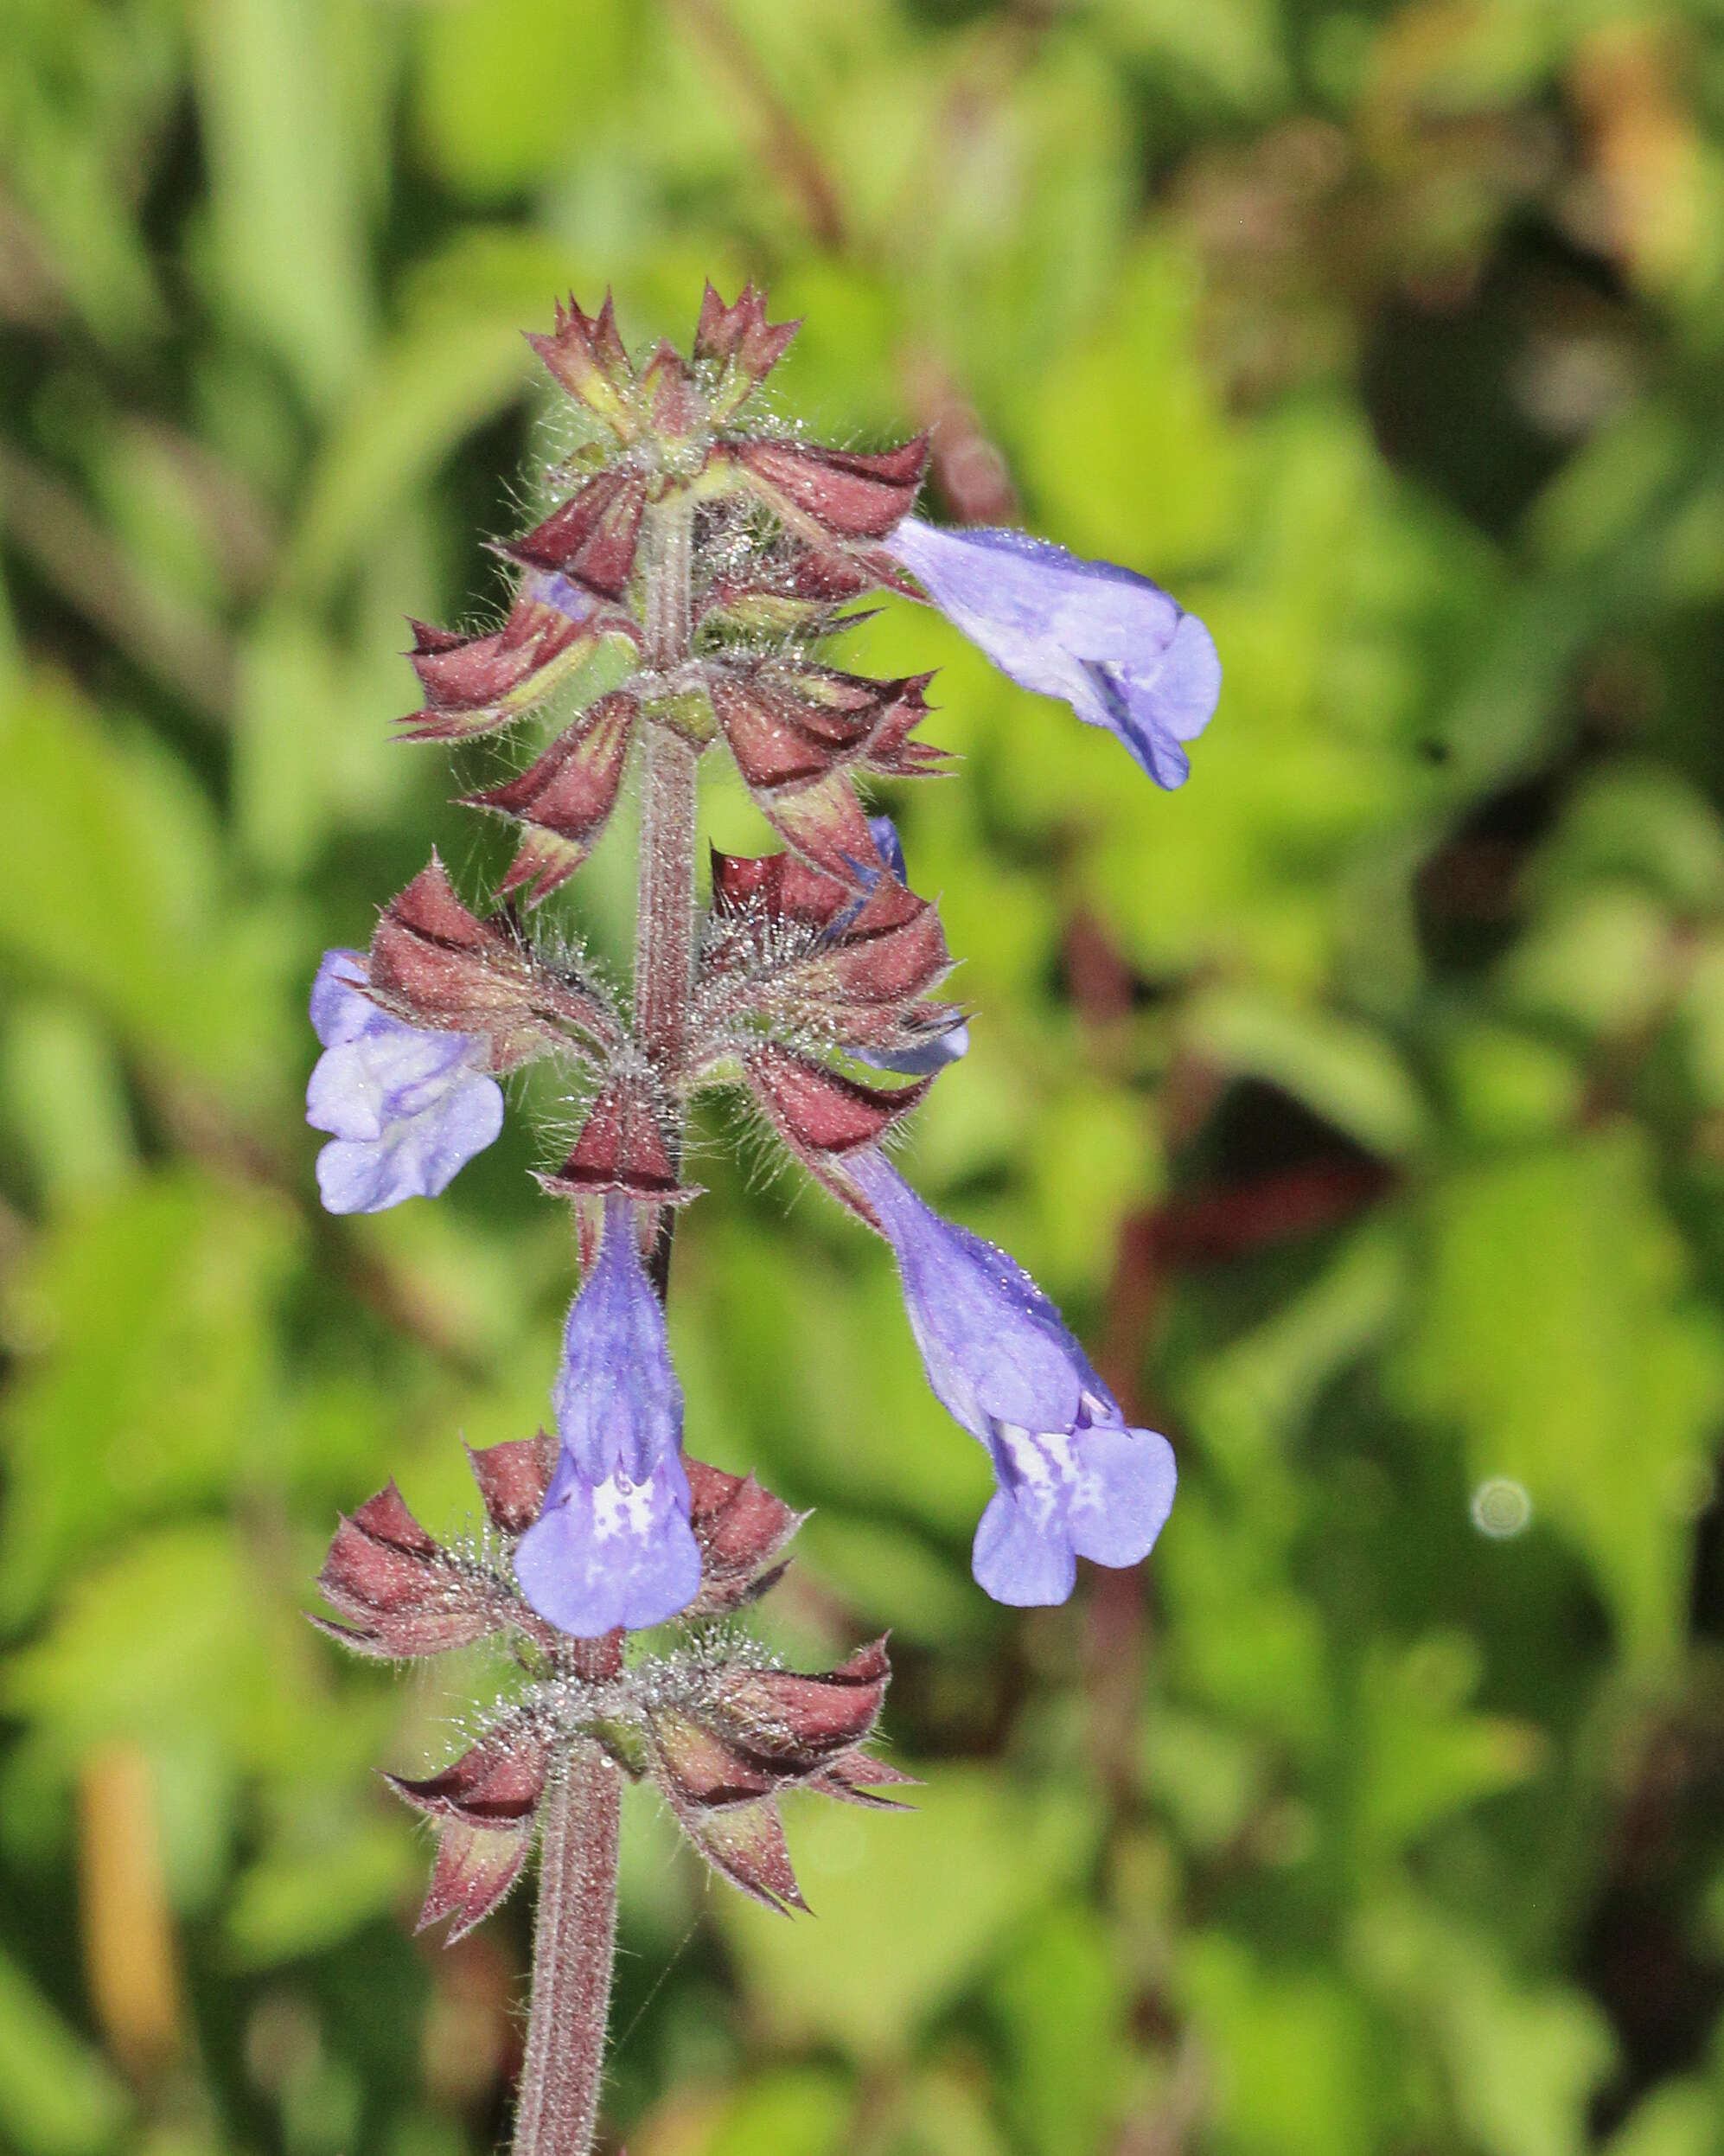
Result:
<point x="476" y="685"/>
<point x="736" y="348"/>
<point x="820" y="1113"/>
<point x="820" y="492"/>
<point x="587" y="357"/>
<point x="623" y="1149"/>
<point x="789" y="724"/>
<point x="742" y="1531"/>
<point x="591" y="539"/>
<point x="725" y="1744"/>
<point x="564" y="800"/>
<point x="434" y="963"/>
<point x="401" y="1594"/>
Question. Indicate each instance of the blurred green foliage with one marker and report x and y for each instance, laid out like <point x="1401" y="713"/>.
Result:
<point x="1363" y="1103"/>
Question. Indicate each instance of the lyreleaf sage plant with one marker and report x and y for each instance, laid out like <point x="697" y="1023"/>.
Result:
<point x="710" y="560"/>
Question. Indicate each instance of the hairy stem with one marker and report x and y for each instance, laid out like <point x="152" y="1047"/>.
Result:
<point x="575" y="1935"/>
<point x="573" y="1943"/>
<point x="664" y="909"/>
<point x="664" y="922"/>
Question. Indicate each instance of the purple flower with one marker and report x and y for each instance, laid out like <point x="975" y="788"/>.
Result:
<point x="612" y="1545"/>
<point x="1109" y="643"/>
<point x="1074" y="1480"/>
<point x="948" y="1047"/>
<point x="407" y="1108"/>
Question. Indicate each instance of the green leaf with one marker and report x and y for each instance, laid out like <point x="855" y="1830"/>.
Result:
<point x="1521" y="2061"/>
<point x="1555" y="1327"/>
<point x="62" y="1084"/>
<point x="1296" y="2065"/>
<point x="1424" y="1758"/>
<point x="458" y="360"/>
<point x="1241" y="1637"/>
<point x="913" y="1908"/>
<point x="1678" y="2118"/>
<point x="150" y="1383"/>
<point x="175" y="1640"/>
<point x="500" y="80"/>
<point x="1248" y="1402"/>
<point x="1604" y="960"/>
<point x="1349" y="1074"/>
<point x="1639" y="822"/>
<point x="131" y="910"/>
<point x="889" y="1576"/>
<point x="1061" y="2000"/>
<point x="57" y="2097"/>
<point x="797" y="2111"/>
<point x="1209" y="1779"/>
<point x="1506" y="1087"/>
<point x="321" y="1888"/>
<point x="284" y="86"/>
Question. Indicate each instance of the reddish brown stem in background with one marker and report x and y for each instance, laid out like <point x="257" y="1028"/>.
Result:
<point x="787" y="147"/>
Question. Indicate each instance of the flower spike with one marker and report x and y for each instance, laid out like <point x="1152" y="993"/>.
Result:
<point x="684" y="585"/>
<point x="723" y="1733"/>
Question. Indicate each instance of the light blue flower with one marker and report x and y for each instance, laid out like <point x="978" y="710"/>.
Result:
<point x="1106" y="641"/>
<point x="612" y="1545"/>
<point x="1075" y="1480"/>
<point x="407" y="1108"/>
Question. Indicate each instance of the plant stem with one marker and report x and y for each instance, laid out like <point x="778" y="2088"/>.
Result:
<point x="665" y="910"/>
<point x="573" y="1941"/>
<point x="664" y="927"/>
<point x="575" y="1935"/>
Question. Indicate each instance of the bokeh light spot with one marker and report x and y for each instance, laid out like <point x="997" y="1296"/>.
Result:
<point x="1500" y="1508"/>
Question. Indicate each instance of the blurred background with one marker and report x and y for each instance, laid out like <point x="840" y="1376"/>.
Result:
<point x="1363" y="1105"/>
